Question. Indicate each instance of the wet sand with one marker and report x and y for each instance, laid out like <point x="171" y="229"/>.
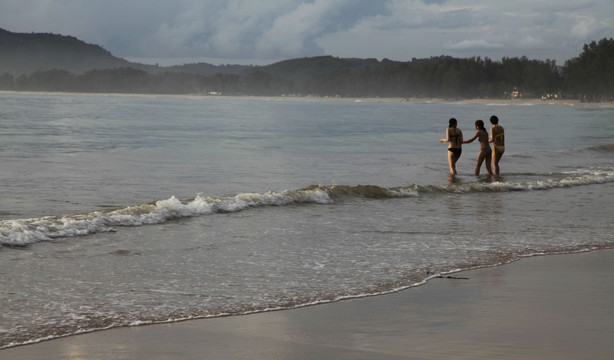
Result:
<point x="547" y="307"/>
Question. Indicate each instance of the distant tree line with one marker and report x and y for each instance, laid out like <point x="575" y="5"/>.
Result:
<point x="120" y="80"/>
<point x="589" y="76"/>
<point x="443" y="77"/>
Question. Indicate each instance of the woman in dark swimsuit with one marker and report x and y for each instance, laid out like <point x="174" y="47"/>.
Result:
<point x="454" y="137"/>
<point x="485" y="151"/>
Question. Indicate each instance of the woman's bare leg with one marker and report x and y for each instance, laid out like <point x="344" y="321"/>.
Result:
<point x="497" y="156"/>
<point x="488" y="164"/>
<point x="452" y="159"/>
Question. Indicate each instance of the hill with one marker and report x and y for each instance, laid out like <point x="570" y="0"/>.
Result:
<point x="309" y="67"/>
<point x="22" y="53"/>
<point x="48" y="62"/>
<point x="26" y="53"/>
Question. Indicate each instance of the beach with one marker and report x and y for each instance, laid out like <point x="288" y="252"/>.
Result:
<point x="545" y="307"/>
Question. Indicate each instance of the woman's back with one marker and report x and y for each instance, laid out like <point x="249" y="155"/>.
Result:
<point x="456" y="137"/>
<point x="483" y="137"/>
<point x="498" y="135"/>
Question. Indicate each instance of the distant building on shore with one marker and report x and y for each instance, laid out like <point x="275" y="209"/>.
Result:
<point x="514" y="94"/>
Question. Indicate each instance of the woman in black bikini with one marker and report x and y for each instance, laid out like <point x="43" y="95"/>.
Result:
<point x="485" y="151"/>
<point x="454" y="137"/>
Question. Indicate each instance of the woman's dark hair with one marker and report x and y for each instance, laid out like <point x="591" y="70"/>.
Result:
<point x="452" y="122"/>
<point x="494" y="120"/>
<point x="480" y="124"/>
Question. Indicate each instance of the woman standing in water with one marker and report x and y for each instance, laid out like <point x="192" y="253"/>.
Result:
<point x="497" y="135"/>
<point x="454" y="137"/>
<point x="485" y="151"/>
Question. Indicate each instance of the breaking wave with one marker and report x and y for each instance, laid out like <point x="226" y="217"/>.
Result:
<point x="22" y="232"/>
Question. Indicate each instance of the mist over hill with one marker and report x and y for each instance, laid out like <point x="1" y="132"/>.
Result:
<point x="22" y="53"/>
<point x="27" y="53"/>
<point x="48" y="62"/>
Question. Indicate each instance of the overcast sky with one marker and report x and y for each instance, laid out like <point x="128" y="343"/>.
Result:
<point x="264" y="31"/>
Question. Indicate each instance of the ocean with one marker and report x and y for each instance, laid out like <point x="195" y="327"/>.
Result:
<point x="131" y="210"/>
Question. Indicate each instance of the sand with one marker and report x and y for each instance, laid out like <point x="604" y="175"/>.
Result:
<point x="547" y="307"/>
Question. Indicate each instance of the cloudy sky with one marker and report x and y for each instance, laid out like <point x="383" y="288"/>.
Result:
<point x="264" y="31"/>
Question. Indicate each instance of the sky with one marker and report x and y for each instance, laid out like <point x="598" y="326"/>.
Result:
<point x="260" y="32"/>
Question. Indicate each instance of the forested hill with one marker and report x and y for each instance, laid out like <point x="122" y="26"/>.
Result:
<point x="304" y="68"/>
<point x="22" y="53"/>
<point x="47" y="62"/>
<point x="27" y="53"/>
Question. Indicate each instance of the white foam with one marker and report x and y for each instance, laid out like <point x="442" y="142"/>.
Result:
<point x="22" y="232"/>
<point x="576" y="178"/>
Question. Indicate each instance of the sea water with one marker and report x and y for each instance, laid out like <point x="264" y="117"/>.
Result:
<point x="128" y="210"/>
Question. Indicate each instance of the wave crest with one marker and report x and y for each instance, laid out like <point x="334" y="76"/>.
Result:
<point x="365" y="191"/>
<point x="22" y="232"/>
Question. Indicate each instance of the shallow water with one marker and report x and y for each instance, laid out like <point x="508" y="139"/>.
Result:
<point x="124" y="210"/>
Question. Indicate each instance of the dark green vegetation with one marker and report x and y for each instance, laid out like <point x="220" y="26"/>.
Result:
<point x="47" y="62"/>
<point x="591" y="74"/>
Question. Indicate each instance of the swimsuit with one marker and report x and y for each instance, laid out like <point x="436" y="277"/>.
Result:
<point x="455" y="136"/>
<point x="456" y="151"/>
<point x="486" y="150"/>
<point x="499" y="148"/>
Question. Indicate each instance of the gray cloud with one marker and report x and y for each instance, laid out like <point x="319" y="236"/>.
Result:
<point x="267" y="30"/>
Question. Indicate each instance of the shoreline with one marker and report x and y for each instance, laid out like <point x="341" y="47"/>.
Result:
<point x="553" y="306"/>
<point x="494" y="101"/>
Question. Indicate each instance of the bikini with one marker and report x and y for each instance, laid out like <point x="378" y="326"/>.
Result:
<point x="500" y="148"/>
<point x="455" y="151"/>
<point x="486" y="150"/>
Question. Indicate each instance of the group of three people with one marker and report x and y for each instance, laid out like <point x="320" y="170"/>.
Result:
<point x="454" y="136"/>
